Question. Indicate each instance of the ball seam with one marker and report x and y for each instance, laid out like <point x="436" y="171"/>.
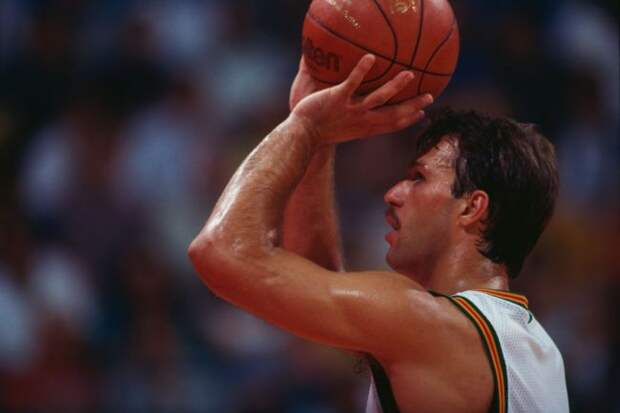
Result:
<point x="417" y="43"/>
<point x="395" y="61"/>
<point x="428" y="63"/>
<point x="394" y="41"/>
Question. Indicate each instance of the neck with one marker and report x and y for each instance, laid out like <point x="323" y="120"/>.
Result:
<point x="464" y="268"/>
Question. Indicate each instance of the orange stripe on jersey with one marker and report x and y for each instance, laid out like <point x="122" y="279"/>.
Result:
<point x="493" y="349"/>
<point x="515" y="298"/>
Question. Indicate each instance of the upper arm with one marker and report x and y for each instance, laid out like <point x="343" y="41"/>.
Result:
<point x="375" y="312"/>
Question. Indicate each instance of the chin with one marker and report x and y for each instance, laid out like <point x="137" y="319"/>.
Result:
<point x="392" y="260"/>
<point x="402" y="265"/>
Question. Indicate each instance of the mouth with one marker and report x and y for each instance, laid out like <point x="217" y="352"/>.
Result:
<point x="391" y="219"/>
<point x="391" y="238"/>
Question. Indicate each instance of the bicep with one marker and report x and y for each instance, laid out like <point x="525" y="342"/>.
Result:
<point x="366" y="311"/>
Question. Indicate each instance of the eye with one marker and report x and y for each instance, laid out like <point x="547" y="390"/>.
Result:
<point x="415" y="176"/>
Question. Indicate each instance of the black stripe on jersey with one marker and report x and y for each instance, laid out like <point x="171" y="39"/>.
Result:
<point x="383" y="387"/>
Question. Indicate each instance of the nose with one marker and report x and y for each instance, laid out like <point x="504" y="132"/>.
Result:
<point x="394" y="195"/>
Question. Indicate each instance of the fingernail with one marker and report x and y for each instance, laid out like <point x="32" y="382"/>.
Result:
<point x="409" y="76"/>
<point x="428" y="98"/>
<point x="369" y="60"/>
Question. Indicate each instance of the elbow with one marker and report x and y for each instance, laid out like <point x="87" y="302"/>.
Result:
<point x="194" y="252"/>
<point x="223" y="261"/>
<point x="196" y="249"/>
<point x="206" y="259"/>
<point x="219" y="265"/>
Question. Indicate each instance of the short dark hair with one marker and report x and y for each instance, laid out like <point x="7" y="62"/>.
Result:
<point x="514" y="164"/>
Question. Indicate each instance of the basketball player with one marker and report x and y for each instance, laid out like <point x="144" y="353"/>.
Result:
<point x="441" y="333"/>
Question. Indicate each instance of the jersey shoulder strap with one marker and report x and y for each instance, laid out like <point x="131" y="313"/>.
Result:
<point x="491" y="342"/>
<point x="381" y="381"/>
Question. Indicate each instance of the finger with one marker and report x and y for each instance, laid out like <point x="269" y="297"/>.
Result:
<point x="407" y="107"/>
<point x="410" y="119"/>
<point x="402" y="115"/>
<point x="393" y="124"/>
<point x="350" y="85"/>
<point x="303" y="67"/>
<point x="386" y="92"/>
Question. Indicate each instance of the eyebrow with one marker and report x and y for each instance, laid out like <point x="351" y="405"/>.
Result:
<point x="424" y="166"/>
<point x="417" y="164"/>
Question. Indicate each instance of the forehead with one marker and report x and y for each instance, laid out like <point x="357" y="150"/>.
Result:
<point x="439" y="157"/>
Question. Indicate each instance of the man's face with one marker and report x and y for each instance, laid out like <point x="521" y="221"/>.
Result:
<point x="422" y="211"/>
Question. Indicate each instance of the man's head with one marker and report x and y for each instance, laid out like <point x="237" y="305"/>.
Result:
<point x="490" y="181"/>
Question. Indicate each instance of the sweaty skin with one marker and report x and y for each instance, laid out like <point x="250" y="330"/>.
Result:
<point x="424" y="343"/>
<point x="310" y="223"/>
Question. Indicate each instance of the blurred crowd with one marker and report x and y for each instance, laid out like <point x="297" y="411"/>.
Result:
<point x="120" y="123"/>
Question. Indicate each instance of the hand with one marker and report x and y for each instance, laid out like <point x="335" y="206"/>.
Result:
<point x="336" y="114"/>
<point x="303" y="85"/>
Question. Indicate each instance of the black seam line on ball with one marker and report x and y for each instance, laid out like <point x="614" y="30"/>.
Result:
<point x="394" y="40"/>
<point x="405" y="65"/>
<point x="417" y="42"/>
<point x="434" y="53"/>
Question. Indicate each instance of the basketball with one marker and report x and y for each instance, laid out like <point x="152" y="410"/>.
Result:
<point x="417" y="35"/>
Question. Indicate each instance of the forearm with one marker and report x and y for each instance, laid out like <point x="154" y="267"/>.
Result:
<point x="310" y="226"/>
<point x="244" y="226"/>
<point x="249" y="213"/>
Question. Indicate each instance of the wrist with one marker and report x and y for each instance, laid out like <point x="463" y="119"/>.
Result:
<point x="306" y="128"/>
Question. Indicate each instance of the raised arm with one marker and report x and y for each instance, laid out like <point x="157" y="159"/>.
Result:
<point x="239" y="253"/>
<point x="310" y="225"/>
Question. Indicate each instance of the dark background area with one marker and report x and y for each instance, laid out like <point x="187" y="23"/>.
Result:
<point x="120" y="123"/>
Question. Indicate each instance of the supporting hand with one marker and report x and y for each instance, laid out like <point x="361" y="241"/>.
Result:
<point x="303" y="85"/>
<point x="337" y="114"/>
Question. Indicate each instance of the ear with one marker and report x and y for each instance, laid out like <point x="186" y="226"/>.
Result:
<point x="474" y="208"/>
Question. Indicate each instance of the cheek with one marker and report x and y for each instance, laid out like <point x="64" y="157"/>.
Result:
<point x="438" y="195"/>
<point x="427" y="197"/>
<point x="430" y="206"/>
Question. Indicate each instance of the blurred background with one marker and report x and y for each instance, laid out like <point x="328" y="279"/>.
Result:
<point x="120" y="123"/>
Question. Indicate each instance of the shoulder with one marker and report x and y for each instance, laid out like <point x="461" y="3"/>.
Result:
<point x="430" y="325"/>
<point x="398" y="316"/>
<point x="446" y="351"/>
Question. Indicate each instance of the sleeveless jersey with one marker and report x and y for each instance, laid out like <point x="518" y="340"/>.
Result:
<point x="528" y="369"/>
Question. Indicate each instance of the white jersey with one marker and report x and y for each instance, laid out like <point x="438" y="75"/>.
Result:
<point x="528" y="369"/>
